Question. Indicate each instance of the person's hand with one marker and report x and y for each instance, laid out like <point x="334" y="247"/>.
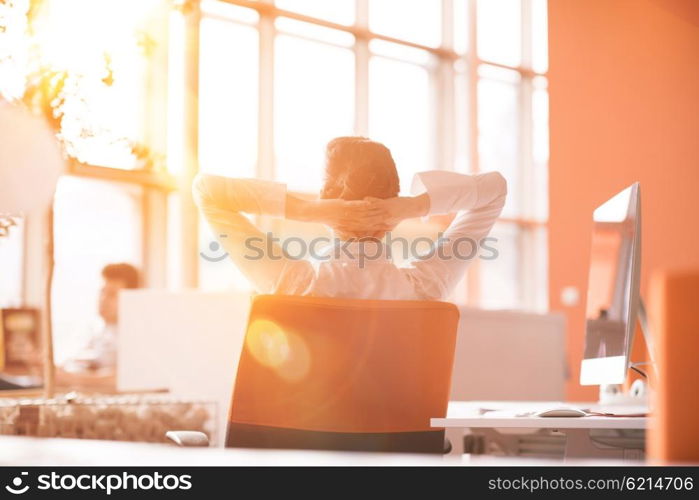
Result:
<point x="356" y="215"/>
<point x="347" y="215"/>
<point x="367" y="217"/>
<point x="390" y="212"/>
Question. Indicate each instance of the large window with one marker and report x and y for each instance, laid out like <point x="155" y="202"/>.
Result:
<point x="401" y="108"/>
<point x="256" y="88"/>
<point x="228" y="96"/>
<point x="310" y="106"/>
<point x="98" y="57"/>
<point x="445" y="84"/>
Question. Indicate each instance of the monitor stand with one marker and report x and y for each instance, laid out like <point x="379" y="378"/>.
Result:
<point x="637" y="396"/>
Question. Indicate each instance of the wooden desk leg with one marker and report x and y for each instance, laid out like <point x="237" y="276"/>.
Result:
<point x="579" y="445"/>
<point x="455" y="435"/>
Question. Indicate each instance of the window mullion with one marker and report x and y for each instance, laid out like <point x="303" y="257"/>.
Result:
<point x="473" y="277"/>
<point x="190" y="147"/>
<point x="361" y="72"/>
<point x="528" y="191"/>
<point x="448" y="24"/>
<point x="443" y="97"/>
<point x="154" y="237"/>
<point x="361" y="89"/>
<point x="265" y="142"/>
<point x="443" y="140"/>
<point x="526" y="34"/>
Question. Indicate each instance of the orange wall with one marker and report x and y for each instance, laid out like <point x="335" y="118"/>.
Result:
<point x="624" y="104"/>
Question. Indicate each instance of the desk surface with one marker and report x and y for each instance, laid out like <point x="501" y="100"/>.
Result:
<point x="28" y="451"/>
<point x="469" y="414"/>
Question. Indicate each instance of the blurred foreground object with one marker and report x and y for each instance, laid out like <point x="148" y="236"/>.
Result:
<point x="31" y="162"/>
<point x="30" y="165"/>
<point x="144" y="418"/>
<point x="674" y="437"/>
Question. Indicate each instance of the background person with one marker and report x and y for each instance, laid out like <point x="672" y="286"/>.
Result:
<point x="94" y="365"/>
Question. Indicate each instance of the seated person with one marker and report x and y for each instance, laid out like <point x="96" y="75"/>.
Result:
<point x="94" y="366"/>
<point x="359" y="201"/>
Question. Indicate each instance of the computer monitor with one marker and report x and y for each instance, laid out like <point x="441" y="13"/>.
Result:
<point x="613" y="288"/>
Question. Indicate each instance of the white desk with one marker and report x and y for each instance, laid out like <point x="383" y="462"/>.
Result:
<point x="471" y="415"/>
<point x="28" y="451"/>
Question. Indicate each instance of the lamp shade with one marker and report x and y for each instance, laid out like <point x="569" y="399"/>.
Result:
<point x="30" y="161"/>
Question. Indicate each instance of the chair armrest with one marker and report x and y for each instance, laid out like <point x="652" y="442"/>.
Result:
<point x="188" y="438"/>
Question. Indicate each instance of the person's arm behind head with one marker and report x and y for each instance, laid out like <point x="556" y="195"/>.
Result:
<point x="478" y="201"/>
<point x="223" y="202"/>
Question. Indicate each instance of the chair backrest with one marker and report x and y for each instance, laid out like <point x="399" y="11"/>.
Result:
<point x="345" y="365"/>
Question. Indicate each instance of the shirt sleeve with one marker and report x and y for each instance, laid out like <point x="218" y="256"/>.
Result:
<point x="223" y="202"/>
<point x="478" y="201"/>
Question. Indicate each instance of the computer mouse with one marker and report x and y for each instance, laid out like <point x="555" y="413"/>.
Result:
<point x="562" y="412"/>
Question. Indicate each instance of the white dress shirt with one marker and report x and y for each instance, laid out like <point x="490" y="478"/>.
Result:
<point x="98" y="351"/>
<point x="350" y="270"/>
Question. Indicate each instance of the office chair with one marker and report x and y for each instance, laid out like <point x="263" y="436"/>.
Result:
<point x="343" y="374"/>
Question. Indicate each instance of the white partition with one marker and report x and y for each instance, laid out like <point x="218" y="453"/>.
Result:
<point x="188" y="342"/>
<point x="508" y="355"/>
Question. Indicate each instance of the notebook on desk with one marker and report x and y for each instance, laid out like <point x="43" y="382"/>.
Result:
<point x="581" y="411"/>
<point x="619" y="411"/>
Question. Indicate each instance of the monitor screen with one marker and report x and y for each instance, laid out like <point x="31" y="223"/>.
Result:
<point x="612" y="294"/>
